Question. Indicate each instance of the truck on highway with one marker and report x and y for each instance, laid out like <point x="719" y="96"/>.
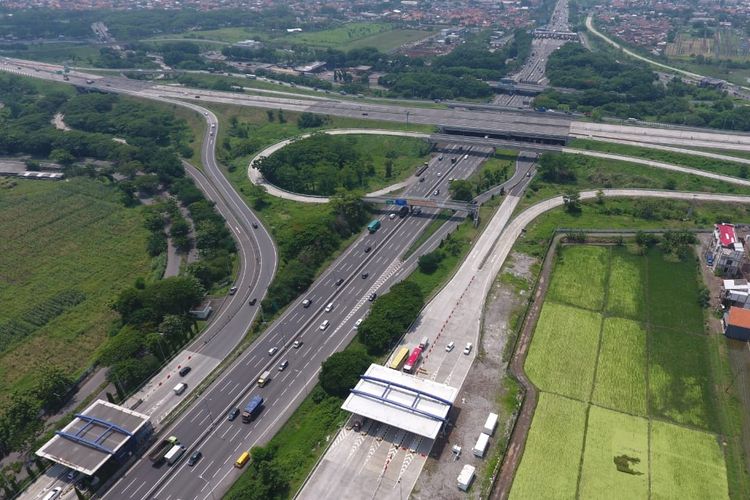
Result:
<point x="174" y="454"/>
<point x="158" y="453"/>
<point x="264" y="378"/>
<point x="373" y="226"/>
<point x="252" y="409"/>
<point x="411" y="364"/>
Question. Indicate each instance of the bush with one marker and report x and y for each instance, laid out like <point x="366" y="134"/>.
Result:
<point x="341" y="371"/>
<point x="429" y="262"/>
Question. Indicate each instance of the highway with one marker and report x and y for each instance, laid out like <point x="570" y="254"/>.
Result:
<point x="533" y="68"/>
<point x="204" y="425"/>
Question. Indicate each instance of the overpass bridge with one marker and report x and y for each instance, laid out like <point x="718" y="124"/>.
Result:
<point x="411" y="202"/>
<point x="555" y="133"/>
<point x="555" y="35"/>
<point x="466" y="140"/>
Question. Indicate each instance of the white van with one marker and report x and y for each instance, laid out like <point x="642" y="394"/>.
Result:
<point x="180" y="388"/>
<point x="324" y="324"/>
<point x="53" y="494"/>
<point x="174" y="454"/>
<point x="425" y="341"/>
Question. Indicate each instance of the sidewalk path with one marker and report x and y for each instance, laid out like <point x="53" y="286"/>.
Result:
<point x="257" y="178"/>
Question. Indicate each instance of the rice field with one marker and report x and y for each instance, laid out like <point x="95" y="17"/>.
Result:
<point x="673" y="294"/>
<point x="549" y="468"/>
<point x="679" y="379"/>
<point x="562" y="356"/>
<point x="621" y="371"/>
<point x="626" y="294"/>
<point x="686" y="464"/>
<point x="652" y="370"/>
<point x="579" y="276"/>
<point x="615" y="458"/>
<point x="68" y="248"/>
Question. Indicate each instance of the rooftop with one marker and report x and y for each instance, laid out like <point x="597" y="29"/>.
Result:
<point x="404" y="401"/>
<point x="739" y="317"/>
<point x="93" y="436"/>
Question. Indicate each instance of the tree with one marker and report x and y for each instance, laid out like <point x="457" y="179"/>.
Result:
<point x="175" y="328"/>
<point x="270" y="115"/>
<point x="388" y="168"/>
<point x="310" y="120"/>
<point x="341" y="371"/>
<point x="52" y="387"/>
<point x="461" y="190"/>
<point x="557" y="168"/>
<point x="429" y="262"/>
<point x="572" y="201"/>
<point x="62" y="156"/>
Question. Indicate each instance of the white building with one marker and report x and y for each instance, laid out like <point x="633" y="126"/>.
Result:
<point x="726" y="253"/>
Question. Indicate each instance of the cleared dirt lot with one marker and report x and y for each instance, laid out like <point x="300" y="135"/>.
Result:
<point x="486" y="389"/>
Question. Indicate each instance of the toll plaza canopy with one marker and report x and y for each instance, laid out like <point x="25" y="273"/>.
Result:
<point x="404" y="401"/>
<point x="94" y="436"/>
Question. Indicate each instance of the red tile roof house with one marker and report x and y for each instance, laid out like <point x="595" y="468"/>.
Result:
<point x="737" y="323"/>
<point x="727" y="251"/>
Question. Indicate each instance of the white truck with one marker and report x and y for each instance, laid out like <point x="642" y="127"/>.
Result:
<point x="174" y="454"/>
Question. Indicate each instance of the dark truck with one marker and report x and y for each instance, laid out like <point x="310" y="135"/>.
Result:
<point x="252" y="409"/>
<point x="157" y="455"/>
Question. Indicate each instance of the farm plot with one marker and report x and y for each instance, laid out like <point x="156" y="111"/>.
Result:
<point x="673" y="294"/>
<point x="549" y="467"/>
<point x="686" y="464"/>
<point x="615" y="457"/>
<point x="626" y="294"/>
<point x="579" y="277"/>
<point x="621" y="372"/>
<point x="680" y="380"/>
<point x="563" y="350"/>
<point x="68" y="248"/>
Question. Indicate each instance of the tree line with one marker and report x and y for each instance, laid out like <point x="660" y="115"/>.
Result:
<point x="625" y="89"/>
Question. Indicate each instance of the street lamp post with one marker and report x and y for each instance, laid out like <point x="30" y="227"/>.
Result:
<point x="407" y="120"/>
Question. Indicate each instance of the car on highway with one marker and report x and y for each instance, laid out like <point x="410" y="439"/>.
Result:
<point x="297" y="344"/>
<point x="272" y="351"/>
<point x="184" y="371"/>
<point x="359" y="322"/>
<point x="436" y="192"/>
<point x="283" y="365"/>
<point x="72" y="475"/>
<point x="421" y="179"/>
<point x="440" y="158"/>
<point x="372" y="296"/>
<point x="367" y="249"/>
<point x="439" y="174"/>
<point x="233" y="414"/>
<point x="255" y="225"/>
<point x="392" y="216"/>
<point x="467" y="348"/>
<point x="329" y="307"/>
<point x="306" y="303"/>
<point x="365" y="275"/>
<point x="324" y="324"/>
<point x="233" y="290"/>
<point x="194" y="458"/>
<point x="450" y="346"/>
<point x="252" y="301"/>
<point x="339" y="281"/>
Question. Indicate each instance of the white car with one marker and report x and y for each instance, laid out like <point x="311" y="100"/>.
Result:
<point x="329" y="307"/>
<point x="324" y="324"/>
<point x="450" y="346"/>
<point x="272" y="351"/>
<point x="392" y="216"/>
<point x="467" y="349"/>
<point x="359" y="322"/>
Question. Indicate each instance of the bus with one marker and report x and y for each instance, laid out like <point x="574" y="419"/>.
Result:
<point x="242" y="460"/>
<point x="373" y="226"/>
<point x="411" y="363"/>
<point x="399" y="358"/>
